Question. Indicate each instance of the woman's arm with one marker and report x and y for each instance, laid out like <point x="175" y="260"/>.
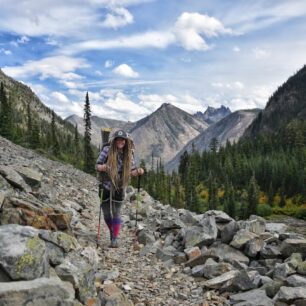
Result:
<point x="137" y="172"/>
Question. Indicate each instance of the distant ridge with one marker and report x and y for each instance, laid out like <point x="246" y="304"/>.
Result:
<point x="230" y="128"/>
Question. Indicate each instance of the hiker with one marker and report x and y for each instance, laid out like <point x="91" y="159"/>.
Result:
<point x="116" y="159"/>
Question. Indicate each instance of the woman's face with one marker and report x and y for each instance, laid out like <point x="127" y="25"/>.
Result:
<point x="120" y="143"/>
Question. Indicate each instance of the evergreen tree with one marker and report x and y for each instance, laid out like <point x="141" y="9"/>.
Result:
<point x="35" y="136"/>
<point x="282" y="202"/>
<point x="76" y="144"/>
<point x="89" y="163"/>
<point x="6" y="118"/>
<point x="253" y="196"/>
<point x="212" y="193"/>
<point x="270" y="194"/>
<point x="55" y="147"/>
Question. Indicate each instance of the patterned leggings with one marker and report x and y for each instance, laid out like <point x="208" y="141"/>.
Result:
<point x="111" y="212"/>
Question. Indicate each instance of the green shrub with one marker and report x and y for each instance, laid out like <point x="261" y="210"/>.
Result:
<point x="264" y="210"/>
<point x="301" y="213"/>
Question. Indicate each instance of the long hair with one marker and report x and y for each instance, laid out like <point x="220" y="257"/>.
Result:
<point x="112" y="162"/>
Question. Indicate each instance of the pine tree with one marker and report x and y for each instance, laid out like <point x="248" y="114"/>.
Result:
<point x="6" y="118"/>
<point x="55" y="147"/>
<point x="253" y="196"/>
<point x="35" y="136"/>
<point x="270" y="194"/>
<point x="212" y="193"/>
<point x="89" y="164"/>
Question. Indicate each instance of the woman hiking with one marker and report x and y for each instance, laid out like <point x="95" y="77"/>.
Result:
<point x="116" y="159"/>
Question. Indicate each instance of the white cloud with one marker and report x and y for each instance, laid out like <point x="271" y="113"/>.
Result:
<point x="59" y="67"/>
<point x="256" y="15"/>
<point x="119" y="106"/>
<point x="23" y="40"/>
<point x="158" y="40"/>
<point x="60" y="97"/>
<point x="5" y="51"/>
<point x="126" y="71"/>
<point x="232" y="86"/>
<point x="261" y="53"/>
<point x="98" y="73"/>
<point x="236" y="49"/>
<point x="119" y="17"/>
<point x="108" y="64"/>
<point x="191" y="28"/>
<point x="185" y="102"/>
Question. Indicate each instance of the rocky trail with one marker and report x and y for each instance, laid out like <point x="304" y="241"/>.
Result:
<point x="48" y="253"/>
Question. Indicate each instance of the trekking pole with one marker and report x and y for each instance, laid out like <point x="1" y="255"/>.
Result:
<point x="99" y="225"/>
<point x="135" y="240"/>
<point x="137" y="201"/>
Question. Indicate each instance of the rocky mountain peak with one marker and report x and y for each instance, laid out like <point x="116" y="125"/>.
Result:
<point x="212" y="115"/>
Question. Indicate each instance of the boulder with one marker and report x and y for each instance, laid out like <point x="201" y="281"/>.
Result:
<point x="253" y="247"/>
<point x="213" y="269"/>
<point x="229" y="231"/>
<point x="241" y="238"/>
<point x="278" y="228"/>
<point x="290" y="246"/>
<point x="14" y="178"/>
<point x="256" y="297"/>
<point x="290" y="294"/>
<point x="31" y="177"/>
<point x="22" y="252"/>
<point x="296" y="281"/>
<point x="255" y="224"/>
<point x="38" y="292"/>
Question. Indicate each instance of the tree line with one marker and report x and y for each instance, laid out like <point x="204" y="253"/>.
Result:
<point x="56" y="138"/>
<point x="260" y="175"/>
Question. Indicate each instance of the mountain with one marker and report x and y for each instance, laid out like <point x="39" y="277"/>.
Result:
<point x="230" y="128"/>
<point x="21" y="97"/>
<point x="213" y="115"/>
<point x="287" y="103"/>
<point x="96" y="124"/>
<point x="164" y="132"/>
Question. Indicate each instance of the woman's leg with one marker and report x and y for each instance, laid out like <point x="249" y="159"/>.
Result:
<point x="116" y="212"/>
<point x="106" y="210"/>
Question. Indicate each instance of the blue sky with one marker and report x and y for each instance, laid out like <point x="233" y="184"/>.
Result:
<point x="133" y="55"/>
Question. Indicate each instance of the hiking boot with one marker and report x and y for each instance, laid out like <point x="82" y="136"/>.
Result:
<point x="114" y="243"/>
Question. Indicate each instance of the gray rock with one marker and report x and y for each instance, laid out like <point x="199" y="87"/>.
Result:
<point x="272" y="287"/>
<point x="296" y="281"/>
<point x="14" y="178"/>
<point x="145" y="237"/>
<point x="80" y="271"/>
<point x="241" y="238"/>
<point x="278" y="228"/>
<point x="282" y="271"/>
<point x="256" y="297"/>
<point x="270" y="251"/>
<point x="301" y="268"/>
<point x="62" y="240"/>
<point x="200" y="236"/>
<point x="290" y="294"/>
<point x="38" y="292"/>
<point x="166" y="253"/>
<point x="290" y="246"/>
<point x="55" y="254"/>
<point x="213" y="269"/>
<point x="220" y="216"/>
<point x="197" y="271"/>
<point x="232" y="281"/>
<point x="226" y="253"/>
<point x="229" y="231"/>
<point x="22" y="253"/>
<point x="254" y="246"/>
<point x="31" y="177"/>
<point x="294" y="260"/>
<point x="255" y="224"/>
<point x="187" y="217"/>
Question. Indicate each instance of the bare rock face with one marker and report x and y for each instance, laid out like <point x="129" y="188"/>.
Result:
<point x="230" y="128"/>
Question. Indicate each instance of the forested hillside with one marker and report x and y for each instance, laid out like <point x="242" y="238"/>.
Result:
<point x="264" y="172"/>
